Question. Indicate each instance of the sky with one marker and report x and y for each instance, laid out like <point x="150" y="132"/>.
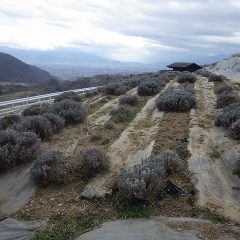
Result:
<point x="126" y="30"/>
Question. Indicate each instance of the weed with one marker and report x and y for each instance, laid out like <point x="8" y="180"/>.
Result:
<point x="215" y="153"/>
<point x="92" y="109"/>
<point x="104" y="100"/>
<point x="145" y="123"/>
<point x="132" y="209"/>
<point x="211" y="215"/>
<point x="61" y="228"/>
<point x="236" y="171"/>
<point x="96" y="137"/>
<point x="69" y="227"/>
<point x="201" y="125"/>
<point x="109" y="125"/>
<point x="192" y="192"/>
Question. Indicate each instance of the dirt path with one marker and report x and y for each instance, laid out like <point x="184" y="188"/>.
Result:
<point x="218" y="187"/>
<point x="135" y="143"/>
<point x="102" y="115"/>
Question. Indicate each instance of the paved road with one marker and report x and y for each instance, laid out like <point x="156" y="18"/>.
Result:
<point x="147" y="229"/>
<point x="16" y="188"/>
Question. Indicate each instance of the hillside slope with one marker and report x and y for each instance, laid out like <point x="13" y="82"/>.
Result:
<point x="229" y="67"/>
<point x="12" y="70"/>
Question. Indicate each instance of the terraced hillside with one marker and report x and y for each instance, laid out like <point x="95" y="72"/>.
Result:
<point x="149" y="147"/>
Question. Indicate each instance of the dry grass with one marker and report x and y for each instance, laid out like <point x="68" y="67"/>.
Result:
<point x="17" y="95"/>
<point x="208" y="231"/>
<point x="2" y="215"/>
<point x="173" y="128"/>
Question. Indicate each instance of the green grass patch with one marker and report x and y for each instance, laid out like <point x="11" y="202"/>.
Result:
<point x="60" y="228"/>
<point x="132" y="209"/>
<point x="192" y="192"/>
<point x="201" y="125"/>
<point x="211" y="215"/>
<point x="215" y="153"/>
<point x="93" y="110"/>
<point x="236" y="171"/>
<point x="69" y="227"/>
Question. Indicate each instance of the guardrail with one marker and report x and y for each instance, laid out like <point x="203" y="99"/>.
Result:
<point x="21" y="102"/>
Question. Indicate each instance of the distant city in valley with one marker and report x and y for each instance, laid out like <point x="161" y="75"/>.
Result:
<point x="71" y="72"/>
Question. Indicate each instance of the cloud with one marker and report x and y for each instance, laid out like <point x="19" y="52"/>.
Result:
<point x="136" y="30"/>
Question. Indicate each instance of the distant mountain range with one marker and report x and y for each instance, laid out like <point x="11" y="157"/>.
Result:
<point x="66" y="56"/>
<point x="68" y="63"/>
<point x="13" y="70"/>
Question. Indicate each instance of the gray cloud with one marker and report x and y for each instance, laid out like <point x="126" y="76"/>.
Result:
<point x="148" y="30"/>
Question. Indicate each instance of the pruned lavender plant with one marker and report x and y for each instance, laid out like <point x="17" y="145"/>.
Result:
<point x="40" y="125"/>
<point x="68" y="95"/>
<point x="229" y="115"/>
<point x="95" y="161"/>
<point x="186" y="77"/>
<point x="234" y="130"/>
<point x="56" y="121"/>
<point x="17" y="148"/>
<point x="71" y="111"/>
<point x="176" y="100"/>
<point x="115" y="89"/>
<point x="225" y="99"/>
<point x="148" y="88"/>
<point x="129" y="100"/>
<point x="48" y="168"/>
<point x="8" y="120"/>
<point x="224" y="89"/>
<point x="121" y="113"/>
<point x="144" y="181"/>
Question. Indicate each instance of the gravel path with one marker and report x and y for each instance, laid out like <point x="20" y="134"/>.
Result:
<point x="101" y="116"/>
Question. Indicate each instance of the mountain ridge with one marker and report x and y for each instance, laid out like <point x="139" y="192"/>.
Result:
<point x="13" y="70"/>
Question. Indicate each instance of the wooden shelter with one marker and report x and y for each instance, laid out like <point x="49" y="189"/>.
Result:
<point x="183" y="66"/>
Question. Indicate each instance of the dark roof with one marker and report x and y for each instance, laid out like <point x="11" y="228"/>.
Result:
<point x="180" y="64"/>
